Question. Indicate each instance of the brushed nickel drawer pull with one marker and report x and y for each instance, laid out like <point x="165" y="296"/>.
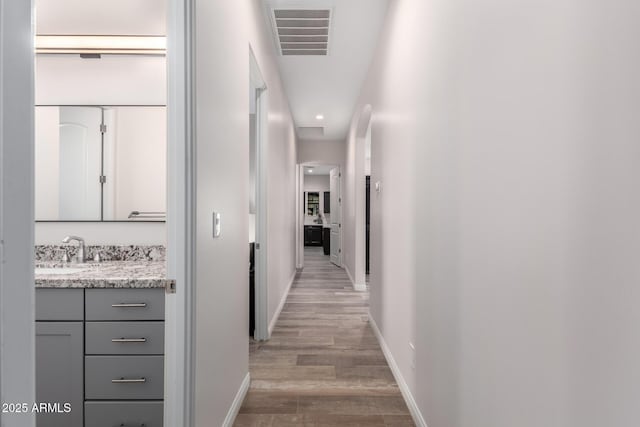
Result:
<point x="127" y="340"/>
<point x="129" y="380"/>
<point x="130" y="305"/>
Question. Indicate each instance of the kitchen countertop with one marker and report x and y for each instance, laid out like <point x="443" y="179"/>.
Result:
<point x="109" y="274"/>
<point x="323" y="225"/>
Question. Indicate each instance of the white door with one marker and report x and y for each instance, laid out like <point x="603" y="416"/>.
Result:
<point x="336" y="219"/>
<point x="80" y="163"/>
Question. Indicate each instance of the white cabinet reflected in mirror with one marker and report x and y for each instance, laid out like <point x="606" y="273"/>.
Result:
<point x="99" y="163"/>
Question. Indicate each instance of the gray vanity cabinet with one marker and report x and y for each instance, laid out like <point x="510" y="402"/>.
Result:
<point x="59" y="372"/>
<point x="124" y="357"/>
<point x="102" y="351"/>
<point x="59" y="356"/>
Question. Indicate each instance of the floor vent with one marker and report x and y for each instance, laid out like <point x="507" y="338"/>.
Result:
<point x="302" y="31"/>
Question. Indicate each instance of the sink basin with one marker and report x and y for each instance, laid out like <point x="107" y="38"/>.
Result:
<point x="58" y="270"/>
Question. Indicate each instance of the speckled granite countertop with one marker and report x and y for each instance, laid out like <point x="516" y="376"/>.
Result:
<point x="110" y="274"/>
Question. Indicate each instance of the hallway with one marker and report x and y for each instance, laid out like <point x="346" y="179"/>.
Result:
<point x="323" y="365"/>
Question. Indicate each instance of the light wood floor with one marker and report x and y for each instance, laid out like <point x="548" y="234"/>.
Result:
<point x="323" y="365"/>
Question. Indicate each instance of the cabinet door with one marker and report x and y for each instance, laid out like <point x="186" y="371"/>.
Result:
<point x="59" y="373"/>
<point x="316" y="236"/>
<point x="307" y="235"/>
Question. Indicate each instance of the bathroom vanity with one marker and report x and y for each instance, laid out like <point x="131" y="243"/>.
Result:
<point x="100" y="172"/>
<point x="100" y="343"/>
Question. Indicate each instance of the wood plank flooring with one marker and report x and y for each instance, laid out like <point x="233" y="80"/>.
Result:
<point x="323" y="365"/>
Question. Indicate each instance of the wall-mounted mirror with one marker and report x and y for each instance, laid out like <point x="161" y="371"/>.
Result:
<point x="101" y="163"/>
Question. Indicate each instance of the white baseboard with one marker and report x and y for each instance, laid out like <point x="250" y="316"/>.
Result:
<point x="348" y="274"/>
<point x="237" y="402"/>
<point x="360" y="287"/>
<point x="283" y="299"/>
<point x="404" y="388"/>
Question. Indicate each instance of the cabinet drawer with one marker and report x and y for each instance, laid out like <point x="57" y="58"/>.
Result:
<point x="124" y="304"/>
<point x="59" y="304"/>
<point x="124" y="377"/>
<point x="124" y="338"/>
<point x="118" y="414"/>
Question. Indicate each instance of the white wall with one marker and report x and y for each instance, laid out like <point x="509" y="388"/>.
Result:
<point x="392" y="222"/>
<point x="325" y="152"/>
<point x="224" y="31"/>
<point x="111" y="80"/>
<point x="142" y="17"/>
<point x="281" y="168"/>
<point x="104" y="233"/>
<point x="316" y="183"/>
<point x="139" y="178"/>
<point x="367" y="152"/>
<point x="511" y="169"/>
<point x="47" y="162"/>
<point x="350" y="235"/>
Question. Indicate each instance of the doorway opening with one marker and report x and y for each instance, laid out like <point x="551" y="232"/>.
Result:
<point x="320" y="213"/>
<point x="258" y="316"/>
<point x="367" y="206"/>
<point x="362" y="201"/>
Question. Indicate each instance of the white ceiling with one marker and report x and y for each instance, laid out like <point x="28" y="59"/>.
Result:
<point x="99" y="17"/>
<point x="327" y="85"/>
<point x="330" y="85"/>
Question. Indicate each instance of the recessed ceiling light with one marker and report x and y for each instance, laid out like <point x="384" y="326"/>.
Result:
<point x="310" y="170"/>
<point x="319" y="117"/>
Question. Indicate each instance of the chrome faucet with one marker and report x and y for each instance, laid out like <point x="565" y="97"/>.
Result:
<point x="80" y="257"/>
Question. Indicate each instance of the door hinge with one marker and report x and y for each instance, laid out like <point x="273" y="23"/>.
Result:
<point x="340" y="175"/>
<point x="339" y="199"/>
<point x="257" y="245"/>
<point x="103" y="128"/>
<point x="103" y="179"/>
<point x="170" y="287"/>
<point x="339" y="251"/>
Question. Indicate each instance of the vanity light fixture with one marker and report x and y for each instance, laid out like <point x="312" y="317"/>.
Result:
<point x="320" y="117"/>
<point x="103" y="45"/>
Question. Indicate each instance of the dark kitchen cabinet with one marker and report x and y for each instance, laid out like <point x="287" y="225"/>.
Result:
<point x="313" y="235"/>
<point x="326" y="240"/>
<point x="327" y="202"/>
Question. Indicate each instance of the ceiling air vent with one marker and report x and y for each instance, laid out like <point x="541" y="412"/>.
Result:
<point x="302" y="31"/>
